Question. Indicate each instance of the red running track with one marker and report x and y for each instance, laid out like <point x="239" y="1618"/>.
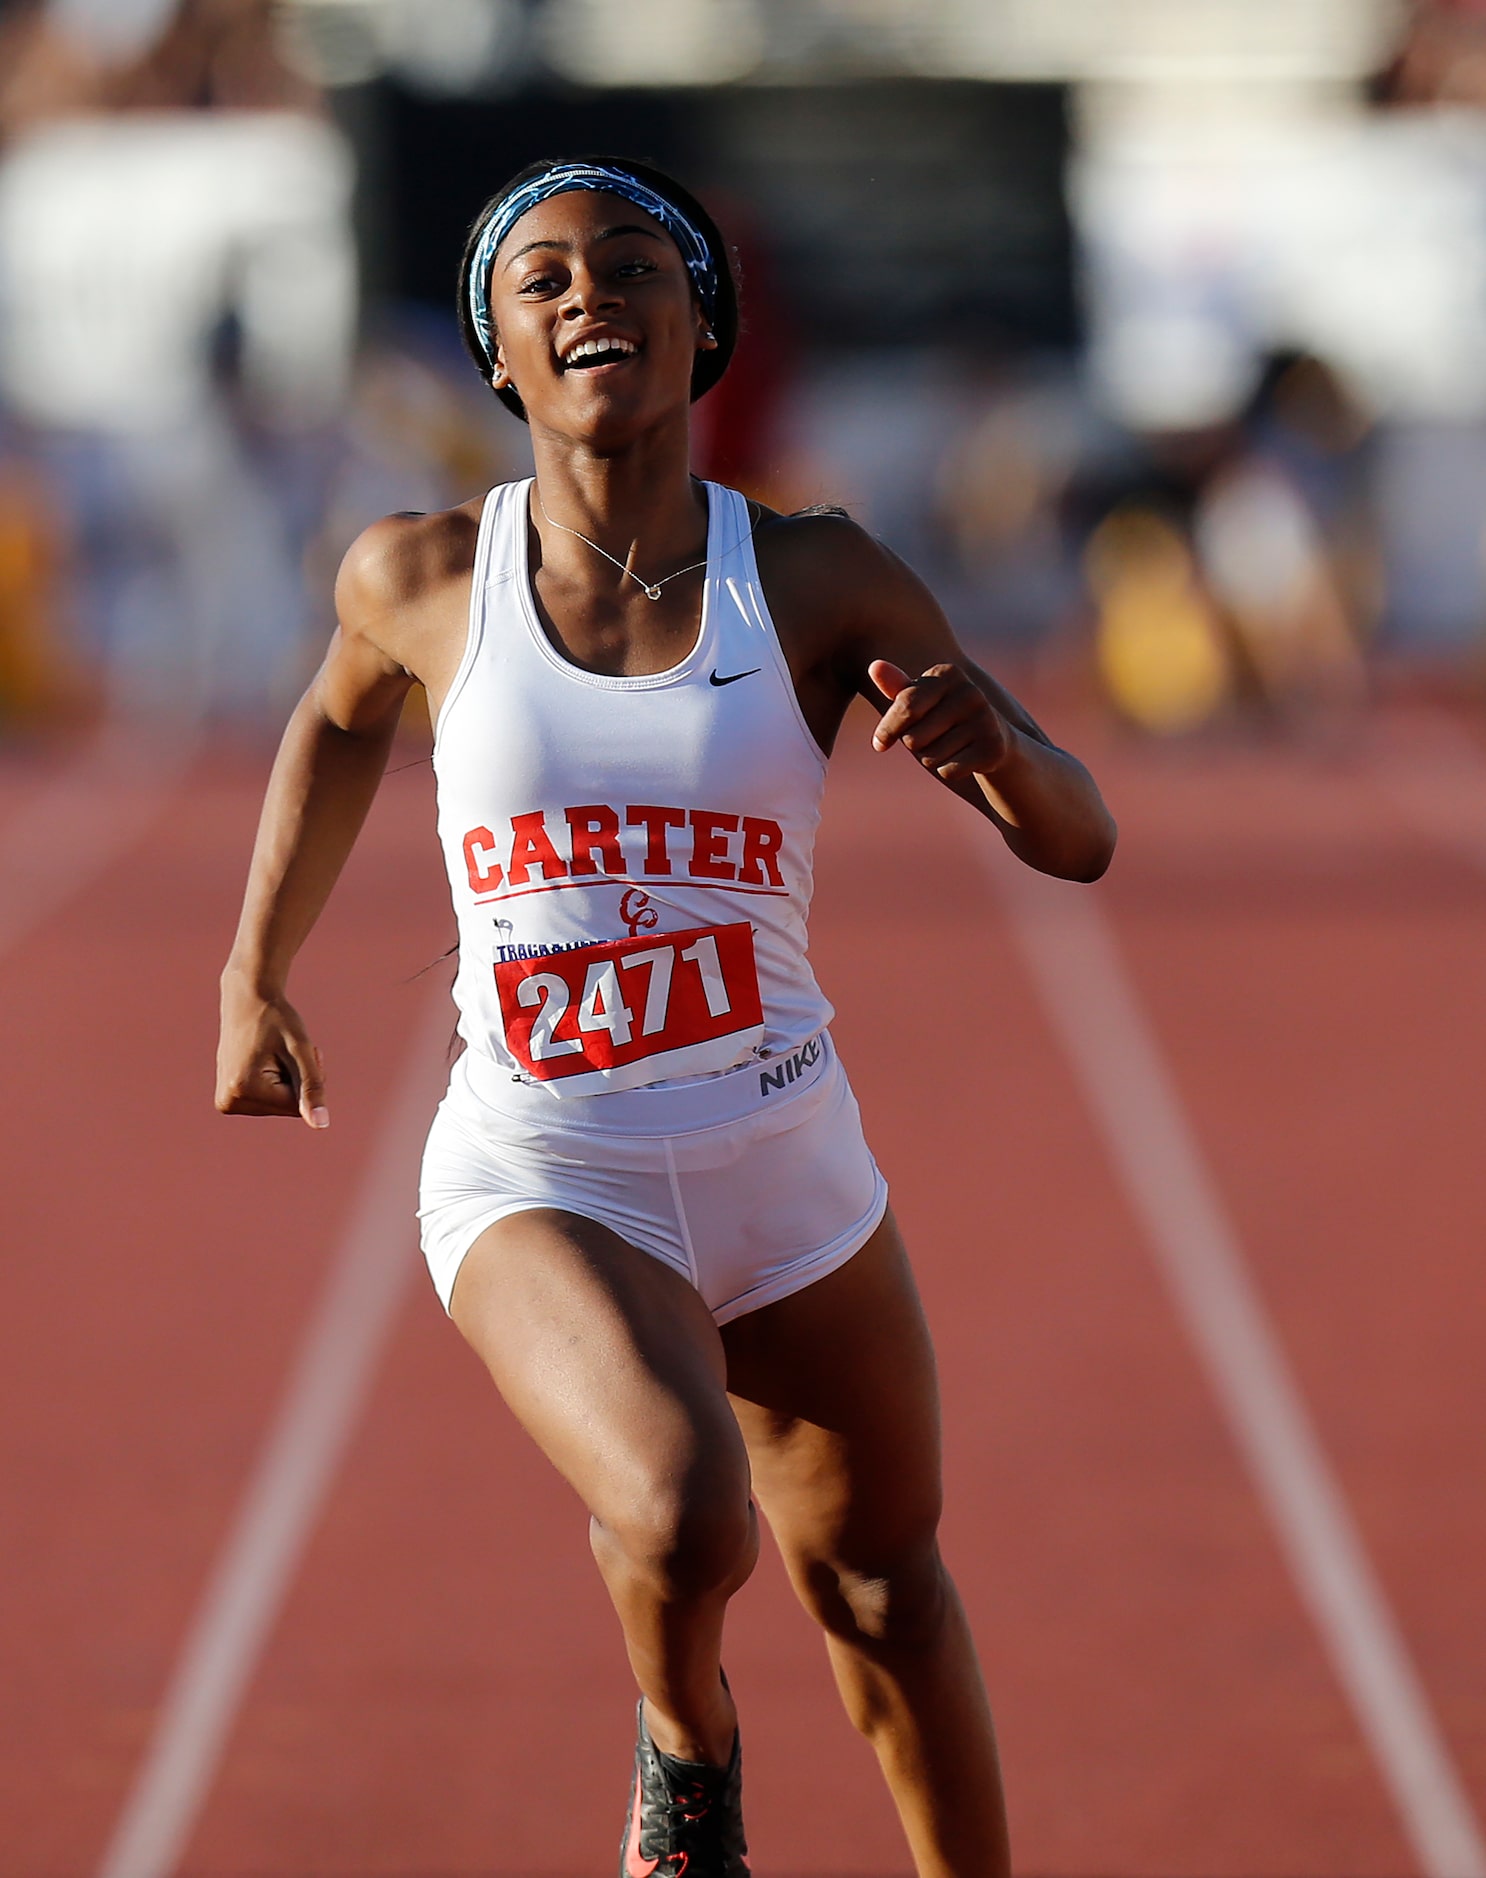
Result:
<point x="443" y="1689"/>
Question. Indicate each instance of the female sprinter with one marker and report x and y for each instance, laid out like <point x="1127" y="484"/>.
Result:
<point x="646" y="1200"/>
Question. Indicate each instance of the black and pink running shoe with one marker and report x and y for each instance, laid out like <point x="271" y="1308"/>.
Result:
<point x="684" y="1816"/>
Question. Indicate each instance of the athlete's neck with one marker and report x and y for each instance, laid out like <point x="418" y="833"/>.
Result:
<point x="640" y="500"/>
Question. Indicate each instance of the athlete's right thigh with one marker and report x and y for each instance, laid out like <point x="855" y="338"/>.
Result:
<point x="611" y="1362"/>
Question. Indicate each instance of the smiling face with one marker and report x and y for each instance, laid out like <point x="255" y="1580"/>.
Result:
<point x="597" y="324"/>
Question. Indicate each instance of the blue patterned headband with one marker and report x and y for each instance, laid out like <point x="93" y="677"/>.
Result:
<point x="562" y="179"/>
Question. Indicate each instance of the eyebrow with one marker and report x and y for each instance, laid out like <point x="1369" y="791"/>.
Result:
<point x="604" y="234"/>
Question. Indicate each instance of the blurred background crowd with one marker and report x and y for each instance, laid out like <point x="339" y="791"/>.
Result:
<point x="1153" y="332"/>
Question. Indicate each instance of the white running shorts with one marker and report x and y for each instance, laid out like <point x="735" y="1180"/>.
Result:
<point x="760" y="1184"/>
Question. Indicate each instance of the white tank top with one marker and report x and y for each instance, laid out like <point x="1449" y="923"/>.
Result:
<point x="630" y="858"/>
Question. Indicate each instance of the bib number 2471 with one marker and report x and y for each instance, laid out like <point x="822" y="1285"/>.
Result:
<point x="606" y="1007"/>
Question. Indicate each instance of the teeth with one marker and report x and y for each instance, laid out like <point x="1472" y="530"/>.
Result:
<point x="587" y="348"/>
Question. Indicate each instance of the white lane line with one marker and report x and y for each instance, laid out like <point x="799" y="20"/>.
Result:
<point x="79" y="821"/>
<point x="1074" y="960"/>
<point x="327" y="1387"/>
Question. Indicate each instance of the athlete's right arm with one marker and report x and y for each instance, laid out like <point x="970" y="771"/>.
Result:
<point x="328" y="767"/>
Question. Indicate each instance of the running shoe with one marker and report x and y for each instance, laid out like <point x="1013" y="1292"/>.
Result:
<point x="684" y="1816"/>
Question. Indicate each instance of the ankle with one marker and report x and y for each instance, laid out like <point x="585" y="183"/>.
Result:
<point x="702" y="1734"/>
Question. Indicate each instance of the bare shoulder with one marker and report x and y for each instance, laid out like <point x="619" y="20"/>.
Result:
<point x="822" y="559"/>
<point x="404" y="560"/>
<point x="837" y="593"/>
<point x="821" y="543"/>
<point x="402" y="594"/>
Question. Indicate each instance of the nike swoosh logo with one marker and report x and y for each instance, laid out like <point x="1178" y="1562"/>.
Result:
<point x="636" y="1865"/>
<point x="733" y="677"/>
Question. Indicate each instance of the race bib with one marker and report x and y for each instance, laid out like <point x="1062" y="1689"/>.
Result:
<point x="632" y="1011"/>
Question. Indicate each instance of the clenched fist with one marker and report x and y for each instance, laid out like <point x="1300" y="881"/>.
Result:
<point x="266" y="1064"/>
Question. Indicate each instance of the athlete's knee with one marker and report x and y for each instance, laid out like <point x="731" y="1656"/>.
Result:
<point x="900" y="1601"/>
<point x="683" y="1539"/>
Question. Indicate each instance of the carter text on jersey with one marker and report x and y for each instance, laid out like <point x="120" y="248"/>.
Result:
<point x="643" y="841"/>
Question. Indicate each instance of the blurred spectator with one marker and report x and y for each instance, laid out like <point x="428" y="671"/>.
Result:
<point x="1441" y="57"/>
<point x="998" y="494"/>
<point x="1159" y="643"/>
<point x="1252" y="545"/>
<point x="1271" y="441"/>
<point x="174" y="228"/>
<point x="1306" y="420"/>
<point x="1282" y="529"/>
<point x="35" y="685"/>
<point x="63" y="58"/>
<point x="1264" y="563"/>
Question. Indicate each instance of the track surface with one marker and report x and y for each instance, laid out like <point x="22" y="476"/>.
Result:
<point x="443" y="1690"/>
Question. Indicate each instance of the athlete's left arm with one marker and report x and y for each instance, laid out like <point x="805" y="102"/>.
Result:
<point x="900" y="653"/>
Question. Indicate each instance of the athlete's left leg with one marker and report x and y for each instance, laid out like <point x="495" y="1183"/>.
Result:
<point x="835" y="1391"/>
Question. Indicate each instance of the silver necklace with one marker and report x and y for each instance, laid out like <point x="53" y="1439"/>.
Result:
<point x="650" y="590"/>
